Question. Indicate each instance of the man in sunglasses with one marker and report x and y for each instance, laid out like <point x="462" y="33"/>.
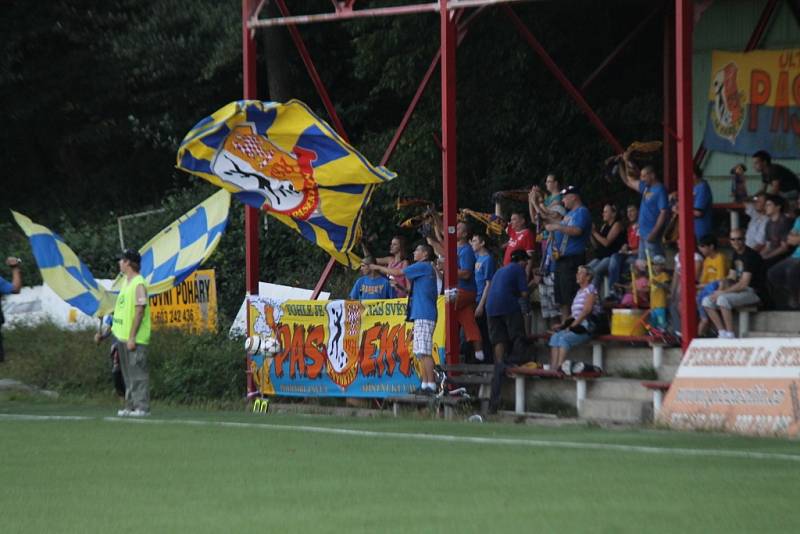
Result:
<point x="744" y="283"/>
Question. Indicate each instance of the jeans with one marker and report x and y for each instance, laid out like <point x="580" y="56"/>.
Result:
<point x="601" y="269"/>
<point x="616" y="264"/>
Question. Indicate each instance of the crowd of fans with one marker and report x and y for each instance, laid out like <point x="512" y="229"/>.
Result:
<point x="575" y="270"/>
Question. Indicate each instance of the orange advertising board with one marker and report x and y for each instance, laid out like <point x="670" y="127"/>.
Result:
<point x="747" y="386"/>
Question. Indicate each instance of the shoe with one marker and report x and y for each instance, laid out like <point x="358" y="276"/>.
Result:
<point x="123" y="413"/>
<point x="729" y="335"/>
<point x="139" y="413"/>
<point x="480" y="358"/>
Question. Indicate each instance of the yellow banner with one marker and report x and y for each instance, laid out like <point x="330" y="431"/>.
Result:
<point x="346" y="348"/>
<point x="192" y="304"/>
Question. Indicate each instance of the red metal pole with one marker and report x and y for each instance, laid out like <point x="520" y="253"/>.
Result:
<point x="668" y="135"/>
<point x="312" y="71"/>
<point x="449" y="192"/>
<point x="752" y="44"/>
<point x="683" y="76"/>
<point x="563" y="80"/>
<point x="251" y="215"/>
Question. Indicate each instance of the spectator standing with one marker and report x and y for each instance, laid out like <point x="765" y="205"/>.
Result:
<point x="371" y="285"/>
<point x="398" y="250"/>
<point x="467" y="290"/>
<point x="627" y="254"/>
<point x="659" y="287"/>
<point x="421" y="310"/>
<point x="508" y="291"/>
<point x="653" y="209"/>
<point x="743" y="286"/>
<point x="7" y="288"/>
<point x="755" y="236"/>
<point x="776" y="231"/>
<point x="777" y="179"/>
<point x="131" y="328"/>
<point x="784" y="277"/>
<point x="520" y="237"/>
<point x="675" y="290"/>
<point x="570" y="238"/>
<point x="703" y="202"/>
<point x="547" y="208"/>
<point x="608" y="241"/>
<point x="484" y="272"/>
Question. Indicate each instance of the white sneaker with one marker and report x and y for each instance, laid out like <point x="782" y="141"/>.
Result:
<point x="123" y="413"/>
<point x="722" y="334"/>
<point x="729" y="335"/>
<point x="139" y="413"/>
<point x="480" y="357"/>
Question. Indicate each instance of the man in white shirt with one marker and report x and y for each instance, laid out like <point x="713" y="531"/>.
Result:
<point x="755" y="237"/>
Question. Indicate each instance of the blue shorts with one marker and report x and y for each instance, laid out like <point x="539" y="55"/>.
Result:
<point x="567" y="338"/>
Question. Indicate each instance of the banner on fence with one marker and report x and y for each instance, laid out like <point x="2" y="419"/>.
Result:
<point x="754" y="103"/>
<point x="192" y="304"/>
<point x="338" y="348"/>
<point x="747" y="386"/>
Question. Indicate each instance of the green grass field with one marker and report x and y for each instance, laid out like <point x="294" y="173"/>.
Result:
<point x="188" y="470"/>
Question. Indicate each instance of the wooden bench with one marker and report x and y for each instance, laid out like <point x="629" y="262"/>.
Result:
<point x="521" y="373"/>
<point x="468" y="374"/>
<point x="659" y="389"/>
<point x="437" y="404"/>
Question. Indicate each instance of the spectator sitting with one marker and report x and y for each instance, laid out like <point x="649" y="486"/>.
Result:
<point x="637" y="293"/>
<point x="398" y="250"/>
<point x="741" y="289"/>
<point x="777" y="179"/>
<point x="659" y="287"/>
<point x="777" y="229"/>
<point x="582" y="322"/>
<point x="608" y="240"/>
<point x="755" y="237"/>
<point x="784" y="277"/>
<point x="371" y="285"/>
<point x="624" y="259"/>
<point x="702" y="203"/>
<point x="715" y="269"/>
<point x="675" y="290"/>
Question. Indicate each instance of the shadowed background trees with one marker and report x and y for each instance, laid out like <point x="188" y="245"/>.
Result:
<point x="96" y="97"/>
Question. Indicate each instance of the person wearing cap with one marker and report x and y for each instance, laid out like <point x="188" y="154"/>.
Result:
<point x="570" y="238"/>
<point x="755" y="235"/>
<point x="653" y="208"/>
<point x="131" y="327"/>
<point x="742" y="287"/>
<point x="508" y="294"/>
<point x="371" y="285"/>
<point x="7" y="288"/>
<point x="659" y="287"/>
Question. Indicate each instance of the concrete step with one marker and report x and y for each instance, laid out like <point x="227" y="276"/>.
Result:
<point x="618" y="358"/>
<point x="667" y="372"/>
<point x="616" y="410"/>
<point x="773" y="334"/>
<point x="775" y="321"/>
<point x="618" y="388"/>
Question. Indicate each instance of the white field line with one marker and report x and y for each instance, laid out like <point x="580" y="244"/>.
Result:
<point x="674" y="451"/>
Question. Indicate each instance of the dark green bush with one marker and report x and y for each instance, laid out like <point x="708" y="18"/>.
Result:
<point x="184" y="368"/>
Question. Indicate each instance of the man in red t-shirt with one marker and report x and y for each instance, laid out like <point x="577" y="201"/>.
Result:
<point x="520" y="237"/>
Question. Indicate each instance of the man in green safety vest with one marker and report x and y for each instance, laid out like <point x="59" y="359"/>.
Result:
<point x="132" y="328"/>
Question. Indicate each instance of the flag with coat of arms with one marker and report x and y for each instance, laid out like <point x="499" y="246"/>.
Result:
<point x="283" y="159"/>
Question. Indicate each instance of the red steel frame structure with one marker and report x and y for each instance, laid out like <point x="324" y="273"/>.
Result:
<point x="677" y="111"/>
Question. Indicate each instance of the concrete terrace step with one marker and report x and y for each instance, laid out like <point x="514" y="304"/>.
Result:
<point x="618" y="388"/>
<point x="667" y="372"/>
<point x="616" y="410"/>
<point x="775" y="321"/>
<point x="773" y="334"/>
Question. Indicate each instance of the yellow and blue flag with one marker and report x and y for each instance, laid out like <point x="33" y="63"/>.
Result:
<point x="180" y="248"/>
<point x="167" y="259"/>
<point x="63" y="271"/>
<point x="283" y="159"/>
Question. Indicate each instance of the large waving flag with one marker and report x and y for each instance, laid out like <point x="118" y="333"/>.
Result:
<point x="283" y="159"/>
<point x="63" y="271"/>
<point x="180" y="248"/>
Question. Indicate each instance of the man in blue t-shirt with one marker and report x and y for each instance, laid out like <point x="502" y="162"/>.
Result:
<point x="484" y="271"/>
<point x="570" y="237"/>
<point x="653" y="209"/>
<point x="421" y="309"/>
<point x="703" y="201"/>
<point x="507" y="294"/>
<point x="371" y="285"/>
<point x="6" y="288"/>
